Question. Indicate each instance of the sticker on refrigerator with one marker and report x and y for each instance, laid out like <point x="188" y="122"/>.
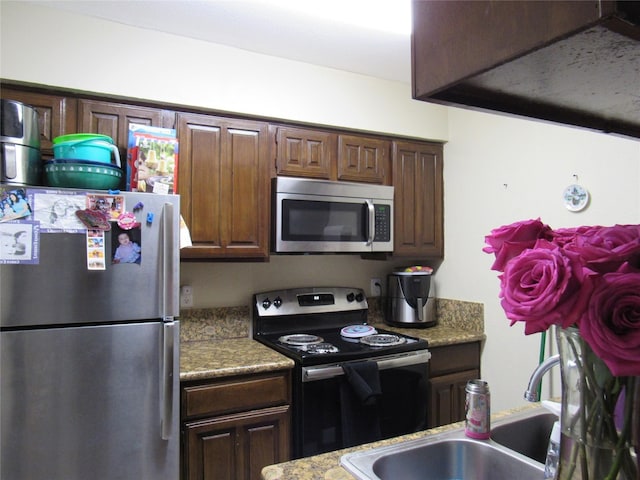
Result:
<point x="56" y="211"/>
<point x="126" y="245"/>
<point x="14" y="204"/>
<point x="19" y="242"/>
<point x="112" y="206"/>
<point x="95" y="250"/>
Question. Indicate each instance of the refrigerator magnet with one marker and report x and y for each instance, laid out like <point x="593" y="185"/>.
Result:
<point x="19" y="242"/>
<point x="127" y="221"/>
<point x="95" y="250"/>
<point x="126" y="245"/>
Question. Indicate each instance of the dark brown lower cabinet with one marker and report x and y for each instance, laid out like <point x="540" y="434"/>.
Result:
<point x="236" y="446"/>
<point x="450" y="368"/>
<point x="234" y="427"/>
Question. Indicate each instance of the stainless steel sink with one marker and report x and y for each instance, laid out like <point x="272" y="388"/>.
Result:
<point x="452" y="455"/>
<point x="526" y="434"/>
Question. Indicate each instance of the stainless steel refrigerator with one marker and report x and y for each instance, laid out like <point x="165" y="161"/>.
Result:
<point x="90" y="358"/>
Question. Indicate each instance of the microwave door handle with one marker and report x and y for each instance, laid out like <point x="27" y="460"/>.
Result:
<point x="372" y="222"/>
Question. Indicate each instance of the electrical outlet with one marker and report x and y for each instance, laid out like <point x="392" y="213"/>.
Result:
<point x="186" y="296"/>
<point x="375" y="289"/>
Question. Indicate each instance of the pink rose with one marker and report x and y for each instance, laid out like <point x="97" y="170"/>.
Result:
<point x="509" y="241"/>
<point x="544" y="286"/>
<point x="611" y="324"/>
<point x="563" y="236"/>
<point x="604" y="249"/>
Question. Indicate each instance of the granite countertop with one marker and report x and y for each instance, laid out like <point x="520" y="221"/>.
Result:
<point x="439" y="335"/>
<point x="203" y="359"/>
<point x="327" y="465"/>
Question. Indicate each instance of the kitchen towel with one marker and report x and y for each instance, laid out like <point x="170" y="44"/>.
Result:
<point x="359" y="393"/>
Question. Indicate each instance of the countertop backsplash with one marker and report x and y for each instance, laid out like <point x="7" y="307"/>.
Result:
<point x="235" y="322"/>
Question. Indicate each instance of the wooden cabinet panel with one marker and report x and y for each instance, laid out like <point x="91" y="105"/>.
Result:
<point x="254" y="431"/>
<point x="113" y="119"/>
<point x="363" y="159"/>
<point x="450" y="368"/>
<point x="224" y="186"/>
<point x="235" y="395"/>
<point x="263" y="444"/>
<point x="56" y="115"/>
<point x="305" y="153"/>
<point x="454" y="358"/>
<point x="418" y="182"/>
<point x="236" y="447"/>
<point x="448" y="396"/>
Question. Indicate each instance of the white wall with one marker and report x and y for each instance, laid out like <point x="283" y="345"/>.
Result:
<point x="485" y="152"/>
<point x="500" y="169"/>
<point x="45" y="45"/>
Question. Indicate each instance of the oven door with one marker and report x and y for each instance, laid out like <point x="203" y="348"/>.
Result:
<point x="324" y="420"/>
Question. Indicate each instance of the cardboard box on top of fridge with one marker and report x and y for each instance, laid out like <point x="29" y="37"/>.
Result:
<point x="152" y="159"/>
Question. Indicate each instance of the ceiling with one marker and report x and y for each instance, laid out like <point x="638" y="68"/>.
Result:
<point x="266" y="26"/>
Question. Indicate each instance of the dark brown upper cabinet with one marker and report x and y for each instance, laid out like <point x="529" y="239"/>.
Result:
<point x="569" y="62"/>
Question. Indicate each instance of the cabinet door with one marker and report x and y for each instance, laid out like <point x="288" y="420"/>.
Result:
<point x="224" y="186"/>
<point x="113" y="119"/>
<point x="363" y="159"/>
<point x="236" y="447"/>
<point x="305" y="153"/>
<point x="447" y="397"/>
<point x="56" y="115"/>
<point x="418" y="182"/>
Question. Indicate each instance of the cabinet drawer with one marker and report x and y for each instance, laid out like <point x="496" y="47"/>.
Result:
<point x="236" y="395"/>
<point x="454" y="358"/>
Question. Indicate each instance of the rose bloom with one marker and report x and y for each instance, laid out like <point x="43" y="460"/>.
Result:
<point x="611" y="323"/>
<point x="604" y="249"/>
<point x="563" y="236"/>
<point x="509" y="241"/>
<point x="544" y="286"/>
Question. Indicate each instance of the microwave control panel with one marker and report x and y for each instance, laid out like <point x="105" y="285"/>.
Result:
<point x="383" y="223"/>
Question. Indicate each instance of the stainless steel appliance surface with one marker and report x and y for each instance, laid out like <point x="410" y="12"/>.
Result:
<point x="312" y="215"/>
<point x="89" y="359"/>
<point x="20" y="159"/>
<point x="352" y="382"/>
<point x="411" y="300"/>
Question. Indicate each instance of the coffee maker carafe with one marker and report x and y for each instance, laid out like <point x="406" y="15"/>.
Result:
<point x="411" y="299"/>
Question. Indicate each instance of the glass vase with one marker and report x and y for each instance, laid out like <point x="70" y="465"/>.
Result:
<point x="599" y="419"/>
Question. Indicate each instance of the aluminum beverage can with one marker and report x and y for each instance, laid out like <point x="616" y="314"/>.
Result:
<point x="478" y="408"/>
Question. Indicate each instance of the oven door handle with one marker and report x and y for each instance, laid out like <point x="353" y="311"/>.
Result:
<point x="310" y="374"/>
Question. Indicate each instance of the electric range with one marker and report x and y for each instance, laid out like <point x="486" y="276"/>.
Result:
<point x="326" y="332"/>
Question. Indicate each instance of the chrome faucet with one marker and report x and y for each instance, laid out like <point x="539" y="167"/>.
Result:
<point x="533" y="393"/>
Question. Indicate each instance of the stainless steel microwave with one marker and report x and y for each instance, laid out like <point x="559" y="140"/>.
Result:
<point x="331" y="217"/>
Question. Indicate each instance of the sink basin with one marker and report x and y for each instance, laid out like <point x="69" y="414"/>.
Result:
<point x="528" y="435"/>
<point x="517" y="449"/>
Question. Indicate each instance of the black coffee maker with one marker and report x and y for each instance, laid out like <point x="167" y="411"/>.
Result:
<point x="411" y="299"/>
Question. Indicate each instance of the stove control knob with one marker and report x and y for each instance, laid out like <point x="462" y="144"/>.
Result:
<point x="350" y="297"/>
<point x="277" y="302"/>
<point x="266" y="303"/>
<point x="359" y="297"/>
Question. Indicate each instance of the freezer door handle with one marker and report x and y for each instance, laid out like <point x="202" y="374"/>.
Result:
<point x="167" y="372"/>
<point x="168" y="270"/>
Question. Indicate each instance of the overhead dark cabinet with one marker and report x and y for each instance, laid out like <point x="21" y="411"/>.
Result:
<point x="56" y="115"/>
<point x="224" y="184"/>
<point x="418" y="199"/>
<point x="576" y="63"/>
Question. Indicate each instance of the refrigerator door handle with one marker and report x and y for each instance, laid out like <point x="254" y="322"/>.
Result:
<point x="167" y="297"/>
<point x="168" y="268"/>
<point x="167" y="372"/>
